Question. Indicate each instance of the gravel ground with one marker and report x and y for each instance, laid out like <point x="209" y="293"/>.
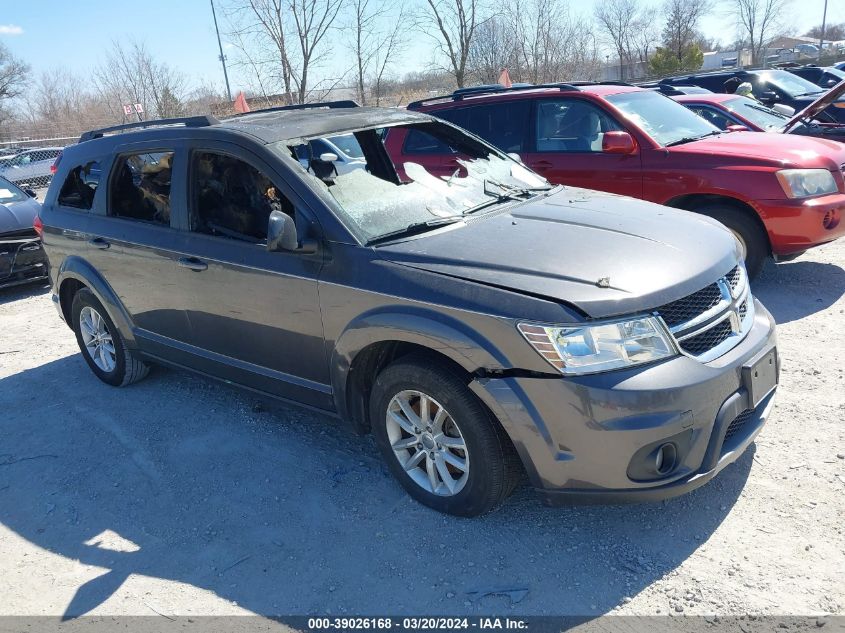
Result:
<point x="184" y="496"/>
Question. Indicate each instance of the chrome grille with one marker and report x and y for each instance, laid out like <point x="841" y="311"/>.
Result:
<point x="710" y="321"/>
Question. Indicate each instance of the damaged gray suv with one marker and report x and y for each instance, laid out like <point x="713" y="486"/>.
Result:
<point x="480" y="322"/>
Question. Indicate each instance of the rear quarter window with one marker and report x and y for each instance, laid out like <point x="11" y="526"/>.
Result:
<point x="80" y="185"/>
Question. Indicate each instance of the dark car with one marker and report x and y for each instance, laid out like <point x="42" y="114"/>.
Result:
<point x="22" y="260"/>
<point x="823" y="76"/>
<point x="770" y="87"/>
<point x="478" y="323"/>
<point x="727" y="111"/>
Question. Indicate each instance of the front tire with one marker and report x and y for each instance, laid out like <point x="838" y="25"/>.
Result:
<point x="746" y="229"/>
<point x="439" y="440"/>
<point x="101" y="344"/>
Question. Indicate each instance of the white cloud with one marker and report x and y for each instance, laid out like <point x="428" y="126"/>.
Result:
<point x="10" y="29"/>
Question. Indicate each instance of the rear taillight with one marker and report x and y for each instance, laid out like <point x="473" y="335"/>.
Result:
<point x="55" y="166"/>
<point x="38" y="225"/>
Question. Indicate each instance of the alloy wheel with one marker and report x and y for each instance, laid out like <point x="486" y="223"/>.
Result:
<point x="97" y="339"/>
<point x="427" y="442"/>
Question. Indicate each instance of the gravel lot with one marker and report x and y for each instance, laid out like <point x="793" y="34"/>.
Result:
<point x="183" y="496"/>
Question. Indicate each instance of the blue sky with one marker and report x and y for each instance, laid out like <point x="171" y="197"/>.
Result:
<point x="75" y="33"/>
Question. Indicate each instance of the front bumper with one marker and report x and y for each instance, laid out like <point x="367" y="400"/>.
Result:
<point x="796" y="225"/>
<point x="22" y="260"/>
<point x="590" y="437"/>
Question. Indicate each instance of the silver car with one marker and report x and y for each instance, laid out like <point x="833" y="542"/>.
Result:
<point x="31" y="167"/>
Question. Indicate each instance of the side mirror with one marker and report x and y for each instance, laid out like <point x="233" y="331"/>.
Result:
<point x="737" y="128"/>
<point x="515" y="156"/>
<point x="329" y="157"/>
<point x="282" y="237"/>
<point x="30" y="193"/>
<point x="618" y="142"/>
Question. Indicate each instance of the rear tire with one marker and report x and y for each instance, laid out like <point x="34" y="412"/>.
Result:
<point x="458" y="459"/>
<point x="101" y="344"/>
<point x="747" y="230"/>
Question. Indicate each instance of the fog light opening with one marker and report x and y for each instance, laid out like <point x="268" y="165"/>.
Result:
<point x="831" y="219"/>
<point x="665" y="458"/>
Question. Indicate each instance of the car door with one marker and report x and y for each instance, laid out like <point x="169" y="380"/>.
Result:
<point x="133" y="243"/>
<point x="567" y="148"/>
<point x="254" y="314"/>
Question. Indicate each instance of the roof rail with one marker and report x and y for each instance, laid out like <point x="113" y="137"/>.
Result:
<point x="344" y="103"/>
<point x="461" y="93"/>
<point x="188" y="121"/>
<point x="600" y="83"/>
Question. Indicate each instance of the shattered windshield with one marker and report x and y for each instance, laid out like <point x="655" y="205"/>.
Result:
<point x="415" y="177"/>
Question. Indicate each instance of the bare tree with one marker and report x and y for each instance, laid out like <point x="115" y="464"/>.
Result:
<point x="681" y="28"/>
<point x="618" y="20"/>
<point x="376" y="37"/>
<point x="453" y="25"/>
<point x="493" y="49"/>
<point x="759" y="21"/>
<point x="132" y="75"/>
<point x="286" y="36"/>
<point x="13" y="74"/>
<point x="645" y="35"/>
<point x="831" y="32"/>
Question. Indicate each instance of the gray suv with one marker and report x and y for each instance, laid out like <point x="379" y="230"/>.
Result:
<point x="480" y="323"/>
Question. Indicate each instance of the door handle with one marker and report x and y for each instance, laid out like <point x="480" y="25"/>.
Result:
<point x="192" y="263"/>
<point x="99" y="242"/>
<point x="542" y="165"/>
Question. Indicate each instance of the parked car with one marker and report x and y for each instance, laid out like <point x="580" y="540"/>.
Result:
<point x="22" y="260"/>
<point x="477" y="325"/>
<point x="32" y="167"/>
<point x="770" y="87"/>
<point x="823" y="76"/>
<point x="342" y="151"/>
<point x="727" y="111"/>
<point x="779" y="195"/>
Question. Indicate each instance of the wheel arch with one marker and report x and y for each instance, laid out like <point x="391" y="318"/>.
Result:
<point x="374" y="340"/>
<point x="77" y="273"/>
<point x="693" y="201"/>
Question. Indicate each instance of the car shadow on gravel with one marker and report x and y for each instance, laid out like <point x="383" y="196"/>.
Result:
<point x="287" y="512"/>
<point x="794" y="290"/>
<point x="16" y="293"/>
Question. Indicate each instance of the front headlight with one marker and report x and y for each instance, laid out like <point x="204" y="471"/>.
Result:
<point x="802" y="183"/>
<point x="588" y="349"/>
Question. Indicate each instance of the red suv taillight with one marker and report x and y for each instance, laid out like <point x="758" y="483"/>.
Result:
<point x="55" y="166"/>
<point x="38" y="225"/>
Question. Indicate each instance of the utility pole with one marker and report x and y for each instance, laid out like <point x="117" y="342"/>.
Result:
<point x="824" y="23"/>
<point x="222" y="56"/>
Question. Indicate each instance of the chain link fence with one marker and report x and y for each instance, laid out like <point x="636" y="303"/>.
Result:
<point x="30" y="163"/>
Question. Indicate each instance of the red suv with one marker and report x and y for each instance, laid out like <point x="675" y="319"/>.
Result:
<point x="779" y="194"/>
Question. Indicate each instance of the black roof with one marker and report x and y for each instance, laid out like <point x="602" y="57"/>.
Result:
<point x="275" y="124"/>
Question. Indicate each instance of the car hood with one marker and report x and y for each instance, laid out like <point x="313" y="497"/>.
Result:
<point x="604" y="254"/>
<point x="771" y="149"/>
<point x="817" y="106"/>
<point x="15" y="216"/>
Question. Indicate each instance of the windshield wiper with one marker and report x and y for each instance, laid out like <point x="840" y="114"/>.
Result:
<point x="809" y="94"/>
<point x="690" y="139"/>
<point x="413" y="229"/>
